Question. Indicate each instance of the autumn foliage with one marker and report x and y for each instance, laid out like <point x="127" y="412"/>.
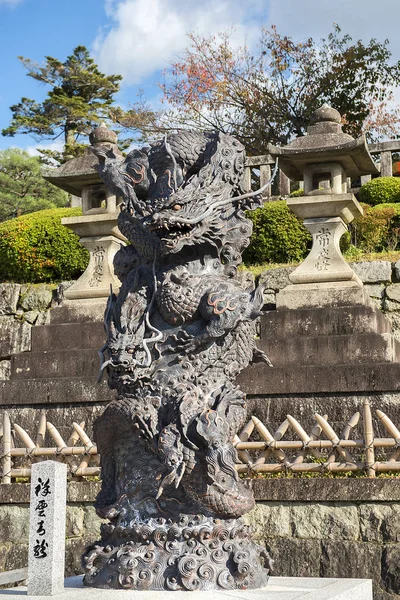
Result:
<point x="269" y="95"/>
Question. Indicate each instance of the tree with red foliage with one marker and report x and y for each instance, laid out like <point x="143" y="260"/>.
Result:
<point x="269" y="96"/>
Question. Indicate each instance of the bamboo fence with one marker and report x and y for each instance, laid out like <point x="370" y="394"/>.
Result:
<point x="320" y="451"/>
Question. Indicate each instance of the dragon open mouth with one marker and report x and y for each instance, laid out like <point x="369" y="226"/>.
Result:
<point x="172" y="235"/>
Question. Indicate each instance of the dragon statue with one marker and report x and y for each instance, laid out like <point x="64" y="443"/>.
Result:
<point x="178" y="333"/>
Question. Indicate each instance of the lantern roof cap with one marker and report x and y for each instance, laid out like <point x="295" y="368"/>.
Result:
<point x="325" y="142"/>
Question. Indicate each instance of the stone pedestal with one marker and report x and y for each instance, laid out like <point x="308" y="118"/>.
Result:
<point x="324" y="278"/>
<point x="327" y="294"/>
<point x="100" y="235"/>
<point x="325" y="261"/>
<point x="326" y="159"/>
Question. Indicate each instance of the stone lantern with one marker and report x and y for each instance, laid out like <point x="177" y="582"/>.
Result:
<point x="324" y="159"/>
<point x="97" y="227"/>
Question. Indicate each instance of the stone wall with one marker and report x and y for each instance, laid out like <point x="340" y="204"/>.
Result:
<point x="21" y="307"/>
<point x="381" y="280"/>
<point x="311" y="527"/>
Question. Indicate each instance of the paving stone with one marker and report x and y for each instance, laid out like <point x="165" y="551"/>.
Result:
<point x="324" y="521"/>
<point x="380" y="522"/>
<point x="9" y="294"/>
<point x="15" y="336"/>
<point x="374" y="271"/>
<point x="269" y="520"/>
<point x="35" y="297"/>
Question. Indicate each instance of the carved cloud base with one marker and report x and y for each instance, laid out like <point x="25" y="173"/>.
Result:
<point x="196" y="553"/>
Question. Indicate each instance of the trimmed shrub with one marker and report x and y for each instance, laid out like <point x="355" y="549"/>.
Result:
<point x="378" y="229"/>
<point x="297" y="193"/>
<point x="381" y="190"/>
<point x="36" y="248"/>
<point x="278" y="235"/>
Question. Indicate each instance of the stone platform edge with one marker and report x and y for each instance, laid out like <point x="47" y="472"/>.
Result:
<point x="357" y="489"/>
<point x="278" y="588"/>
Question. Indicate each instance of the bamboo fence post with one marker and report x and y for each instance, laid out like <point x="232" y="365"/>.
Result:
<point x="305" y="438"/>
<point x="331" y="435"/>
<point x="58" y="439"/>
<point x="243" y="437"/>
<point x="278" y="435"/>
<point x="88" y="444"/>
<point x="393" y="431"/>
<point x="25" y="437"/>
<point x="73" y="438"/>
<point x="6" y="461"/>
<point x="266" y="435"/>
<point x="243" y="455"/>
<point x="369" y="439"/>
<point x="348" y="428"/>
<point x="41" y="433"/>
<point x="314" y="435"/>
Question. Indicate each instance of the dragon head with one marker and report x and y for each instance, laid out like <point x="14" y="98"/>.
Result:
<point x="186" y="190"/>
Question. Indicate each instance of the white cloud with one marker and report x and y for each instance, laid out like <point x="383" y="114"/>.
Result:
<point x="33" y="150"/>
<point x="147" y="34"/>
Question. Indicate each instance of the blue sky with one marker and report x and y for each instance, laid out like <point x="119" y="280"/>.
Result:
<point x="138" y="38"/>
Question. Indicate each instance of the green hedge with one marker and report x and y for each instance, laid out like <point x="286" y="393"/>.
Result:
<point x="278" y="235"/>
<point x="36" y="248"/>
<point x="381" y="190"/>
<point x="378" y="229"/>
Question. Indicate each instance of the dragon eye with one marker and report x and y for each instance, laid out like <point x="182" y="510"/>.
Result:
<point x="130" y="350"/>
<point x="176" y="207"/>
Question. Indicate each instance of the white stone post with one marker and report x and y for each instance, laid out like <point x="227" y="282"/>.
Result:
<point x="46" y="558"/>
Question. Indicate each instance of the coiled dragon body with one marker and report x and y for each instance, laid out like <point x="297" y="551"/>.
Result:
<point x="179" y="332"/>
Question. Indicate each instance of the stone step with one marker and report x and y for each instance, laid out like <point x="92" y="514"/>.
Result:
<point x="256" y="381"/>
<point x="59" y="391"/>
<point x="54" y="364"/>
<point x="323" y="321"/>
<point x="332" y="350"/>
<point x="68" y="336"/>
<point x="261" y="380"/>
<point x="79" y="312"/>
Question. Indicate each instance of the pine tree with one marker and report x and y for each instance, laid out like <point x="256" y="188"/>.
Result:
<point x="22" y="188"/>
<point x="80" y="96"/>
